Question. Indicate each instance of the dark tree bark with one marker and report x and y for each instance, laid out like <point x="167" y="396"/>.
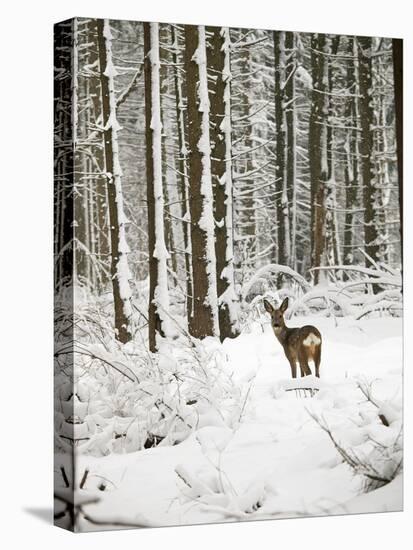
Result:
<point x="397" y="44"/>
<point x="102" y="235"/>
<point x="80" y="227"/>
<point x="204" y="321"/>
<point x="121" y="305"/>
<point x="64" y="157"/>
<point x="366" y="114"/>
<point x="182" y="166"/>
<point x="87" y="179"/>
<point x="317" y="150"/>
<point x="291" y="123"/>
<point x="280" y="137"/>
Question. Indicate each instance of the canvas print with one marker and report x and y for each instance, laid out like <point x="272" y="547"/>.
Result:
<point x="228" y="274"/>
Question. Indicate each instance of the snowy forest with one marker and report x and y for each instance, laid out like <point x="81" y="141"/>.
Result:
<point x="200" y="174"/>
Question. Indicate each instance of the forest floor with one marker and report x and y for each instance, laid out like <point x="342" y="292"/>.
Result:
<point x="277" y="462"/>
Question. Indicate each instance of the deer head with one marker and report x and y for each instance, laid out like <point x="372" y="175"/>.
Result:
<point x="277" y="315"/>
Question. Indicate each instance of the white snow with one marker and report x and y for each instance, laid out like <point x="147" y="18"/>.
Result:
<point x="304" y="76"/>
<point x="272" y="459"/>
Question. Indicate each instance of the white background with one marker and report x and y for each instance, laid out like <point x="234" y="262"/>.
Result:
<point x="26" y="302"/>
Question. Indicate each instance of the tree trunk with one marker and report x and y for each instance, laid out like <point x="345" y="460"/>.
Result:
<point x="183" y="168"/>
<point x="245" y="230"/>
<point x="63" y="157"/>
<point x="204" y="321"/>
<point x="332" y="240"/>
<point x="367" y="149"/>
<point x="119" y="261"/>
<point x="167" y="143"/>
<point x="79" y="232"/>
<point x="291" y="125"/>
<point x="351" y="162"/>
<point x="102" y="235"/>
<point x="280" y="153"/>
<point x="397" y="44"/>
<point x="221" y="169"/>
<point x="158" y="255"/>
<point x="317" y="147"/>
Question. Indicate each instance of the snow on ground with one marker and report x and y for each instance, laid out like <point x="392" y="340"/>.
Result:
<point x="277" y="462"/>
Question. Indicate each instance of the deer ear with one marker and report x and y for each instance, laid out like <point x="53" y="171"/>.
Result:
<point x="284" y="305"/>
<point x="268" y="306"/>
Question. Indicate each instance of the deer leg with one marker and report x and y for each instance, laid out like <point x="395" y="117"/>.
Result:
<point x="293" y="369"/>
<point x="305" y="369"/>
<point x="317" y="361"/>
<point x="303" y="359"/>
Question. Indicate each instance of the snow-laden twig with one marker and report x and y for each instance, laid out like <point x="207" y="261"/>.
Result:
<point x="378" y="467"/>
<point x="273" y="270"/>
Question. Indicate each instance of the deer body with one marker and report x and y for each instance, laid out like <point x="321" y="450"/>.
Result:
<point x="301" y="344"/>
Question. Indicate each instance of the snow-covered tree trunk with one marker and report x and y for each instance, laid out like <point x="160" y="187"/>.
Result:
<point x="370" y="198"/>
<point x="79" y="219"/>
<point x="332" y="243"/>
<point x="244" y="165"/>
<point x="169" y="175"/>
<point x="317" y="146"/>
<point x="397" y="48"/>
<point x="87" y="177"/>
<point x="281" y="199"/>
<point x="204" y="321"/>
<point x="382" y="153"/>
<point x="120" y="273"/>
<point x="182" y="167"/>
<point x="330" y="64"/>
<point x="221" y="168"/>
<point x="332" y="236"/>
<point x="159" y="321"/>
<point x="64" y="155"/>
<point x="351" y="158"/>
<point x="100" y="199"/>
<point x="291" y="143"/>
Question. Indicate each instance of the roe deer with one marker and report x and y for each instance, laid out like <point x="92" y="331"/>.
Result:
<point x="301" y="344"/>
